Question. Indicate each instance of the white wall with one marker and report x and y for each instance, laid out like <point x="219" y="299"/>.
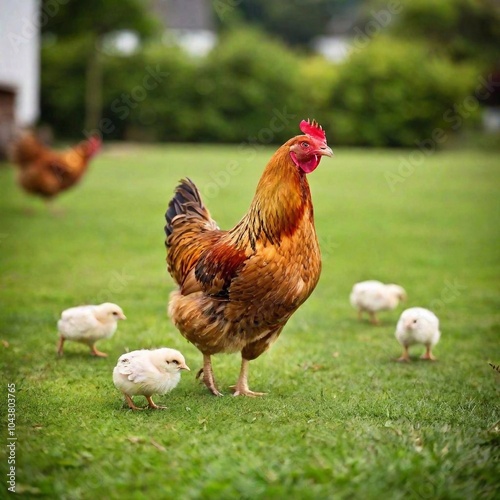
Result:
<point x="20" y="55"/>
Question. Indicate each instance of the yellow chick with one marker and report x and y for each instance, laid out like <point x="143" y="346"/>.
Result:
<point x="88" y="324"/>
<point x="147" y="372"/>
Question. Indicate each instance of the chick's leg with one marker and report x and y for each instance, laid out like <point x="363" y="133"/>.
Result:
<point x="130" y="403"/>
<point x="360" y="314"/>
<point x="241" y="387"/>
<point x="373" y="318"/>
<point x="97" y="353"/>
<point x="208" y="375"/>
<point x="153" y="406"/>
<point x="405" y="357"/>
<point x="428" y="354"/>
<point x="60" y="346"/>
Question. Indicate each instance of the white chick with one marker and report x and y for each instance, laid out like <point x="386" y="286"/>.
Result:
<point x="88" y="324"/>
<point x="418" y="326"/>
<point x="373" y="296"/>
<point x="146" y="372"/>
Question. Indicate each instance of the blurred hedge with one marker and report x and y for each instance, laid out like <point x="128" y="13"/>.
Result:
<point x="394" y="93"/>
<point x="251" y="88"/>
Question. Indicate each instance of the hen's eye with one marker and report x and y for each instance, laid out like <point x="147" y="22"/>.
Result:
<point x="305" y="144"/>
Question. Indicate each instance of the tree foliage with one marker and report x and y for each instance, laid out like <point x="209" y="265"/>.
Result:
<point x="90" y="22"/>
<point x="459" y="29"/>
<point x="296" y="23"/>
<point x="78" y="18"/>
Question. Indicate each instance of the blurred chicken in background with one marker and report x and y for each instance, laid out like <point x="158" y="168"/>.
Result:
<point x="45" y="172"/>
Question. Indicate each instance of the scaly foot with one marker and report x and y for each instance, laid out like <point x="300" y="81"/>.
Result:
<point x="245" y="391"/>
<point x="208" y="376"/>
<point x="241" y="387"/>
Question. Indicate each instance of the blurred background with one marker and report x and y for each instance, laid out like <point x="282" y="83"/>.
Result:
<point x="379" y="73"/>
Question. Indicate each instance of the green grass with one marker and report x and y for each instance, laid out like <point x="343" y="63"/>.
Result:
<point x="341" y="418"/>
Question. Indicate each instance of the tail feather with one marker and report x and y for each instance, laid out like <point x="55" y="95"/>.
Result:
<point x="190" y="231"/>
<point x="186" y="201"/>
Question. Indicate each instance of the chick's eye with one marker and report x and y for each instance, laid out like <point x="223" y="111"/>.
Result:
<point x="414" y="321"/>
<point x="115" y="313"/>
<point x="175" y="362"/>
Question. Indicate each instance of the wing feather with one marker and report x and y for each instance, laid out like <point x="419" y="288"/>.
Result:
<point x="136" y="366"/>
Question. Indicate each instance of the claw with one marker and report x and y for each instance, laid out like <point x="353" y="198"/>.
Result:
<point x="245" y="391"/>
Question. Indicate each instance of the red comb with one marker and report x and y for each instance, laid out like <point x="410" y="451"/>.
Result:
<point x="314" y="129"/>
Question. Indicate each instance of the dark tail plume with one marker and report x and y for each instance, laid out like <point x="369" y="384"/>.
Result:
<point x="186" y="201"/>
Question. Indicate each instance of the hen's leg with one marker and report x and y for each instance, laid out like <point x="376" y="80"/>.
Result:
<point x="208" y="375"/>
<point x="241" y="387"/>
<point x="405" y="357"/>
<point x="60" y="346"/>
<point x="428" y="354"/>
<point x="250" y="352"/>
<point x="153" y="406"/>
<point x="97" y="353"/>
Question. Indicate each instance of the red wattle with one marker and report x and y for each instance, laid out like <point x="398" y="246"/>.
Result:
<point x="306" y="166"/>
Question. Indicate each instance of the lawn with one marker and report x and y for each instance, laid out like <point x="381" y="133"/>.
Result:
<point x="341" y="418"/>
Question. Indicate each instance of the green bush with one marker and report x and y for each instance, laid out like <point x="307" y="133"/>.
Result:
<point x="248" y="86"/>
<point x="247" y="89"/>
<point x="394" y="93"/>
<point x="252" y="89"/>
<point x="149" y="95"/>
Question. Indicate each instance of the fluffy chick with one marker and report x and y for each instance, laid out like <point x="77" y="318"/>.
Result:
<point x="88" y="324"/>
<point x="373" y="296"/>
<point x="418" y="326"/>
<point x="147" y="372"/>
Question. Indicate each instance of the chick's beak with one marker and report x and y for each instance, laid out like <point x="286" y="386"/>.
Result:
<point x="183" y="366"/>
<point x="122" y="316"/>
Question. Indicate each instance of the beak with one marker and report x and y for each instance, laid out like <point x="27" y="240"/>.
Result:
<point x="122" y="316"/>
<point x="184" y="367"/>
<point x="325" y="151"/>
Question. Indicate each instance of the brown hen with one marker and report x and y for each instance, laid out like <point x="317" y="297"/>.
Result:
<point x="238" y="288"/>
<point x="44" y="172"/>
